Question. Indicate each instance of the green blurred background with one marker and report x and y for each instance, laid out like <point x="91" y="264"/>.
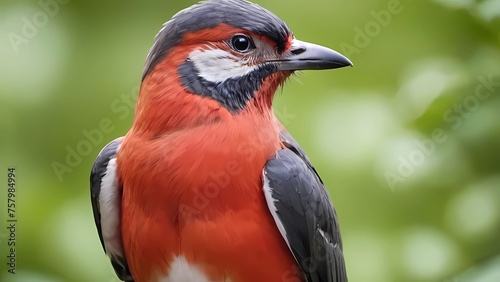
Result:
<point x="408" y="141"/>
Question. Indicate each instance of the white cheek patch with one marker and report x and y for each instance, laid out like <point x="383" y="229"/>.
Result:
<point x="217" y="65"/>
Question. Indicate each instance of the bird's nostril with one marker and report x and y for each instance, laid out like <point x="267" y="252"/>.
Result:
<point x="298" y="50"/>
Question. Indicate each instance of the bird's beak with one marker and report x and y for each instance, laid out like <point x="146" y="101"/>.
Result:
<point x="308" y="56"/>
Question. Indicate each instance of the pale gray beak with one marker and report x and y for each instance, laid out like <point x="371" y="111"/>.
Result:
<point x="309" y="56"/>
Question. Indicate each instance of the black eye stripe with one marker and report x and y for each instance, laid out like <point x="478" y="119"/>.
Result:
<point x="233" y="93"/>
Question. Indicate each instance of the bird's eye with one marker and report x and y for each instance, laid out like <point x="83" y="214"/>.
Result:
<point x="242" y="43"/>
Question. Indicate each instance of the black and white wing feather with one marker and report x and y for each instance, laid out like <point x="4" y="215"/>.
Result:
<point x="304" y="214"/>
<point x="106" y="194"/>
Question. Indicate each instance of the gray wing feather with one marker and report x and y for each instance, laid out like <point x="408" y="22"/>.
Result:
<point x="306" y="213"/>
<point x="100" y="170"/>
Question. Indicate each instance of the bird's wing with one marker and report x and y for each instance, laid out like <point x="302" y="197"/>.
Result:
<point x="106" y="193"/>
<point x="304" y="213"/>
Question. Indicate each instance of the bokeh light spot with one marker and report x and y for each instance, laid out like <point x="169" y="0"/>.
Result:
<point x="475" y="211"/>
<point x="349" y="128"/>
<point x="32" y="56"/>
<point x="428" y="253"/>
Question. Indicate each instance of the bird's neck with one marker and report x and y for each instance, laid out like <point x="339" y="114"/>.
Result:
<point x="164" y="106"/>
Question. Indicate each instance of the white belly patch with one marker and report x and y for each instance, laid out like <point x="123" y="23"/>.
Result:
<point x="182" y="271"/>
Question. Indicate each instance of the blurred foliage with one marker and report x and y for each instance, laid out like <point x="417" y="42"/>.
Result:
<point x="407" y="144"/>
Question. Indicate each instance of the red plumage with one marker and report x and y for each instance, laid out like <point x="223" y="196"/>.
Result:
<point x="173" y="151"/>
<point x="199" y="174"/>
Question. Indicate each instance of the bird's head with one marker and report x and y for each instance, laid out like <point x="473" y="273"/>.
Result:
<point x="223" y="56"/>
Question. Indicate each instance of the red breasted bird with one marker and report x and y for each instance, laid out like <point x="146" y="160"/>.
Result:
<point x="208" y="185"/>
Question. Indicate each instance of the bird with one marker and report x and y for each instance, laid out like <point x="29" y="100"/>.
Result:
<point x="208" y="185"/>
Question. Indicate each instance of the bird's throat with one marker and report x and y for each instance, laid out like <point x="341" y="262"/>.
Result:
<point x="234" y="92"/>
<point x="165" y="104"/>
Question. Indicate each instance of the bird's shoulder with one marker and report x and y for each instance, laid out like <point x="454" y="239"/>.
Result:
<point x="304" y="213"/>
